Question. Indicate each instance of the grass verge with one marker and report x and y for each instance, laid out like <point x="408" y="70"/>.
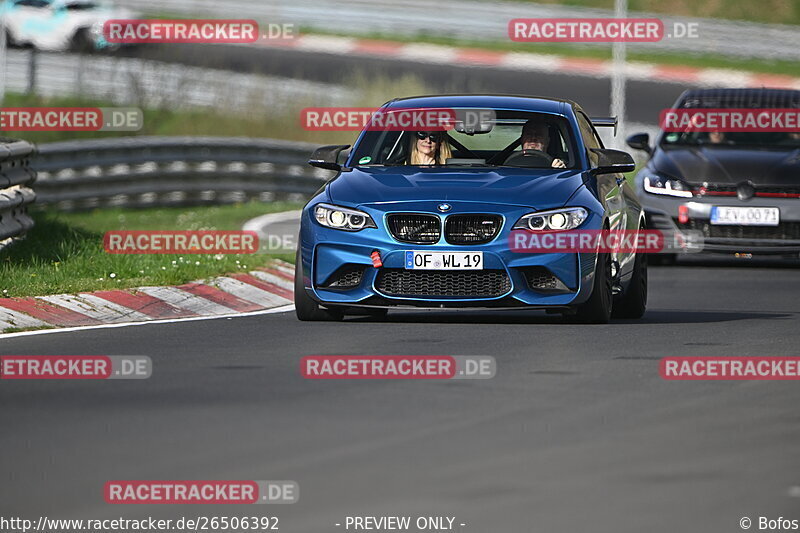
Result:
<point x="64" y="252"/>
<point x="281" y="122"/>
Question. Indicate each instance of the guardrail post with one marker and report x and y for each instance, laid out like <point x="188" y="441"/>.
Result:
<point x="32" y="68"/>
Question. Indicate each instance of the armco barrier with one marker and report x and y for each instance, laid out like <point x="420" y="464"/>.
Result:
<point x="16" y="177"/>
<point x="169" y="171"/>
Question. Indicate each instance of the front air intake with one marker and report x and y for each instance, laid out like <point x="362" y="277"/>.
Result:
<point x="414" y="228"/>
<point x="472" y="229"/>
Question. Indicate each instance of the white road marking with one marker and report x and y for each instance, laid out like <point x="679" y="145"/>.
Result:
<point x="639" y="71"/>
<point x="272" y="278"/>
<point x="186" y="300"/>
<point x="284" y="267"/>
<point x="716" y="77"/>
<point x="126" y="313"/>
<point x="259" y="224"/>
<point x="14" y="319"/>
<point x="248" y="292"/>
<point x="324" y="43"/>
<point x="522" y="61"/>
<point x="428" y="53"/>
<point x="94" y="307"/>
<point x="284" y="309"/>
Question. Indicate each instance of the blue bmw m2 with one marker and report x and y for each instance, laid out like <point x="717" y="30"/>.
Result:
<point x="423" y="217"/>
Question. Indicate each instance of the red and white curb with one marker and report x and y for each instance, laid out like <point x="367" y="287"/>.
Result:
<point x="530" y="62"/>
<point x="258" y="290"/>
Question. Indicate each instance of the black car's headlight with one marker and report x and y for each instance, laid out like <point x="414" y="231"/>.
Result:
<point x="553" y="220"/>
<point x="343" y="218"/>
<point x="655" y="184"/>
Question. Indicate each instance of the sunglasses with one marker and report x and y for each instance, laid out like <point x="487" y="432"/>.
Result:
<point x="433" y="137"/>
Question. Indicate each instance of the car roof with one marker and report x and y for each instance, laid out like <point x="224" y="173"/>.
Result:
<point x="739" y="98"/>
<point x="494" y="101"/>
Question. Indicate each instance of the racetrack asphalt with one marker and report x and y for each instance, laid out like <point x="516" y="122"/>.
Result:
<point x="577" y="431"/>
<point x="645" y="99"/>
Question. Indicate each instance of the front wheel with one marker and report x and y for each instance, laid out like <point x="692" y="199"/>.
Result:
<point x="10" y="41"/>
<point x="305" y="307"/>
<point x="82" y="42"/>
<point x="633" y="303"/>
<point x="597" y="309"/>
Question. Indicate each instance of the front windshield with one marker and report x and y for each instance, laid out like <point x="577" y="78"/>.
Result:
<point x="512" y="138"/>
<point x="718" y="139"/>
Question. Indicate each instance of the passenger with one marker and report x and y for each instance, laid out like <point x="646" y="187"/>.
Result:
<point x="536" y="136"/>
<point x="792" y="139"/>
<point x="716" y="137"/>
<point x="429" y="148"/>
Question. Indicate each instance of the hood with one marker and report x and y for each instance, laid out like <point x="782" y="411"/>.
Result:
<point x="729" y="165"/>
<point x="537" y="188"/>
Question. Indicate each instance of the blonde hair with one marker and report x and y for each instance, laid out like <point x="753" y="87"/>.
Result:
<point x="441" y="155"/>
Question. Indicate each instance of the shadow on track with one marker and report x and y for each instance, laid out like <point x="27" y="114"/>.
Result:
<point x="655" y="316"/>
<point x="725" y="261"/>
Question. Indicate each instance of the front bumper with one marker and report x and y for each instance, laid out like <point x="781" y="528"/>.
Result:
<point x="518" y="280"/>
<point x="662" y="214"/>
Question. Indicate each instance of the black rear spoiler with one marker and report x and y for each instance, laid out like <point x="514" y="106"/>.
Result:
<point x="605" y="122"/>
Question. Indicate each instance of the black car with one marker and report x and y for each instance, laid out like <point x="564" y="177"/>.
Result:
<point x="740" y="191"/>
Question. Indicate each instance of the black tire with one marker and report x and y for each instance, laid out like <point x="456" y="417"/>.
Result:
<point x="597" y="309"/>
<point x="305" y="307"/>
<point x="9" y="39"/>
<point x="11" y="42"/>
<point x="633" y="303"/>
<point x="82" y="42"/>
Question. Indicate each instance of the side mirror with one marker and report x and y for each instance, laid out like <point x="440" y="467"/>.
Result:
<point x="640" y="141"/>
<point x="613" y="161"/>
<point x="327" y="157"/>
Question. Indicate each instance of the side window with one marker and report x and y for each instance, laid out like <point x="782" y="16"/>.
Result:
<point x="33" y="3"/>
<point x="590" y="138"/>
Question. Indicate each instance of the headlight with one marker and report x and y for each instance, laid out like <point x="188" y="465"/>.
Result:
<point x="553" y="220"/>
<point x="342" y="218"/>
<point x="667" y="187"/>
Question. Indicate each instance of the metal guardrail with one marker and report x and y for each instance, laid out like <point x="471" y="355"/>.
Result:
<point x="128" y="81"/>
<point x="16" y="177"/>
<point x="172" y="171"/>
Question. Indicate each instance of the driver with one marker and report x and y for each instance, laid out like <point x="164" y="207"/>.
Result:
<point x="536" y="136"/>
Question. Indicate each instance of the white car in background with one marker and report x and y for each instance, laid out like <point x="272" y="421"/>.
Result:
<point x="59" y="25"/>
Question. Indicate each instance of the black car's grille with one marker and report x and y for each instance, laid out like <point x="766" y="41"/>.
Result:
<point x="415" y="228"/>
<point x="346" y="277"/>
<point x="715" y="189"/>
<point x="740" y="98"/>
<point x="472" y="229"/>
<point x="783" y="231"/>
<point x="436" y="283"/>
<point x="761" y="191"/>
